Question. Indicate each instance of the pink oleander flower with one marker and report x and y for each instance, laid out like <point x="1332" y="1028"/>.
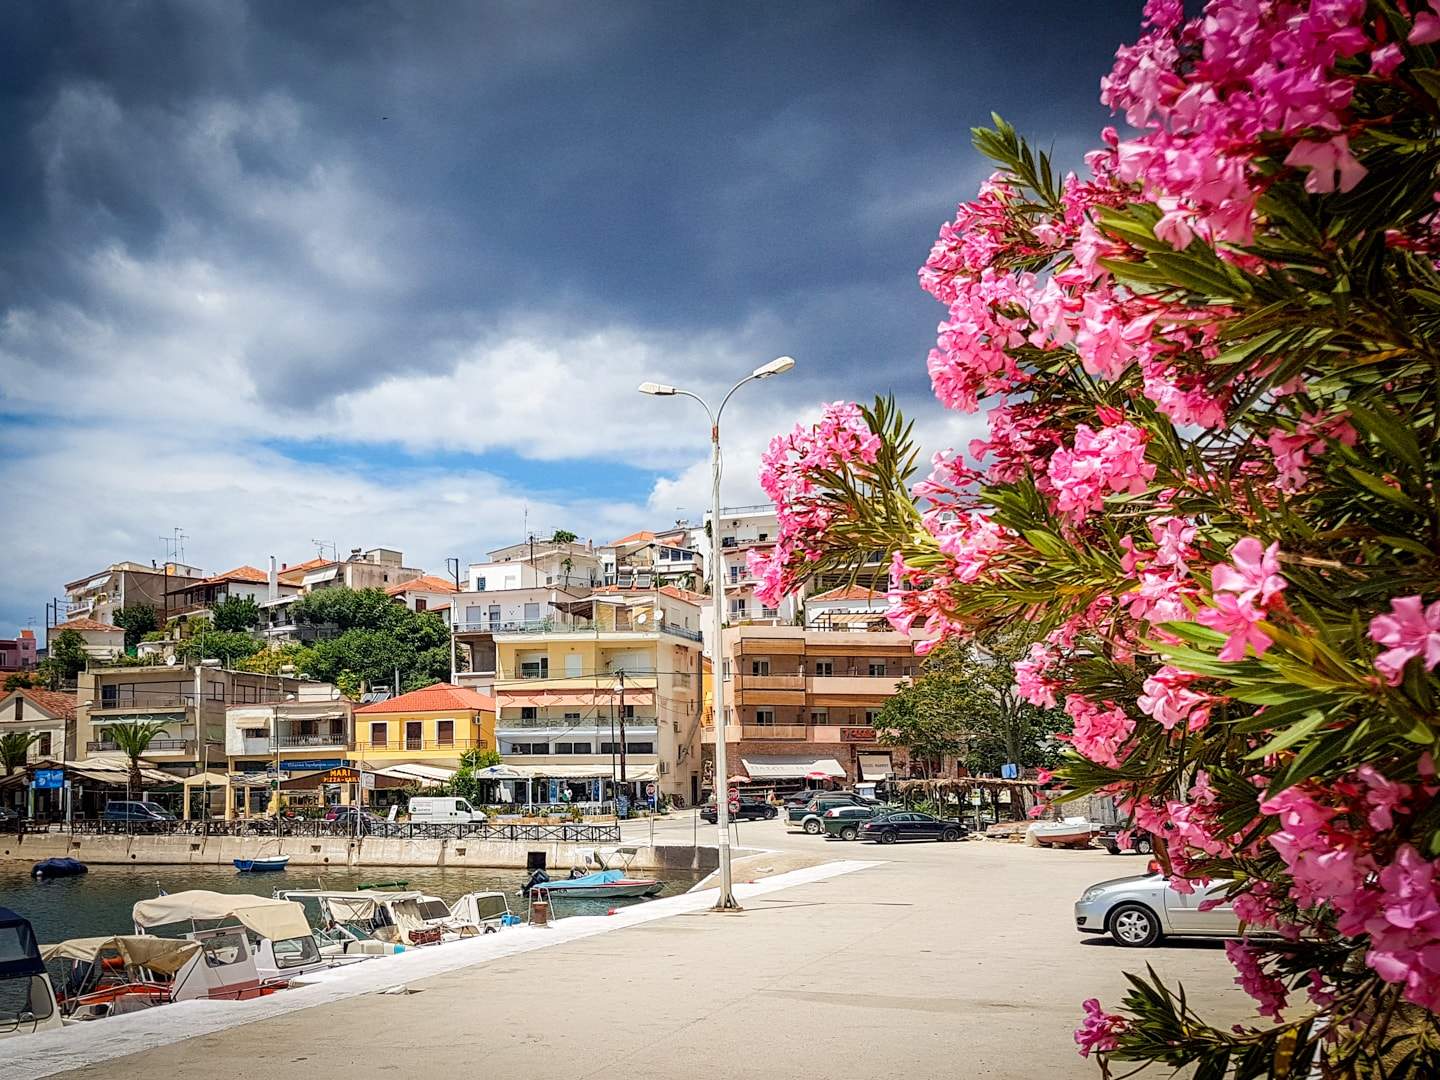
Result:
<point x="1385" y="797"/>
<point x="1100" y="1030"/>
<point x="1031" y="680"/>
<point x="1426" y="28"/>
<point x="1243" y="591"/>
<point x="1099" y="733"/>
<point x="1169" y="700"/>
<point x="1410" y="630"/>
<point x="1330" y="163"/>
<point x="1267" y="990"/>
<point x="1099" y="463"/>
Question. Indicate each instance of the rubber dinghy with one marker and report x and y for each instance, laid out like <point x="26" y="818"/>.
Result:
<point x="50" y="868"/>
<point x="603" y="885"/>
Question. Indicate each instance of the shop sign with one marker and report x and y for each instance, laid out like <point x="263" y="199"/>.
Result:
<point x="341" y="776"/>
<point x="51" y="779"/>
<point x="857" y="734"/>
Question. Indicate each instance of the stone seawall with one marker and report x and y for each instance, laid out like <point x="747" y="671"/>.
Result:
<point x="120" y="850"/>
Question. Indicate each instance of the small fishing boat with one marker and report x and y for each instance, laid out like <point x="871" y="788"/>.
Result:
<point x="1071" y="832"/>
<point x="27" y="997"/>
<point x="53" y="868"/>
<point x="602" y="885"/>
<point x="261" y="863"/>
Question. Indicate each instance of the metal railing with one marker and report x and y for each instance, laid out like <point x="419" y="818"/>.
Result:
<point x="584" y="724"/>
<point x="681" y="631"/>
<point x="334" y="738"/>
<point x="422" y="744"/>
<point x="559" y="832"/>
<point x="774" y="731"/>
<point x="157" y="746"/>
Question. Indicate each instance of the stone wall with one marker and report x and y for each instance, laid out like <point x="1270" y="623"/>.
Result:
<point x="120" y="850"/>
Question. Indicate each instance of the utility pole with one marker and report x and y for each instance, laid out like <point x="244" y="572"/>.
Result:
<point x="622" y="725"/>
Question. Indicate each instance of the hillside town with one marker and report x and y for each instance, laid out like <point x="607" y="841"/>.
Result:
<point x="583" y="668"/>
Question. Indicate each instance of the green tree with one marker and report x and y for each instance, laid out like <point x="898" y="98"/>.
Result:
<point x="237" y="614"/>
<point x="269" y="660"/>
<point x="136" y="620"/>
<point x="563" y="536"/>
<point x="225" y="645"/>
<point x="346" y="609"/>
<point x="133" y="740"/>
<point x="67" y="654"/>
<point x="465" y="783"/>
<point x="15" y="747"/>
<point x="19" y="680"/>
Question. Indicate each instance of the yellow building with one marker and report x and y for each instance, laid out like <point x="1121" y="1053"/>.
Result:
<point x="431" y="726"/>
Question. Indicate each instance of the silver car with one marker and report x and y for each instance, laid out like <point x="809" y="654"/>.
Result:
<point x="1138" y="911"/>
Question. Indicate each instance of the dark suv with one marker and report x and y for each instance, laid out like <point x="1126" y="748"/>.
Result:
<point x="749" y="810"/>
<point x="136" y="816"/>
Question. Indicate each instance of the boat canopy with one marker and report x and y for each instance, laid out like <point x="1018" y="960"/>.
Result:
<point x="163" y="955"/>
<point x="273" y="919"/>
<point x="19" y="953"/>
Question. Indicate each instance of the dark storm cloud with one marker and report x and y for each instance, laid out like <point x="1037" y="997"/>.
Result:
<point x="770" y="171"/>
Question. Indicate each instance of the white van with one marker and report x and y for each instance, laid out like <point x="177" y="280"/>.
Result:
<point x="444" y="811"/>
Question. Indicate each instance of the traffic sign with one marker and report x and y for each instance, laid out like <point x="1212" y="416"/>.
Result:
<point x="650" y="790"/>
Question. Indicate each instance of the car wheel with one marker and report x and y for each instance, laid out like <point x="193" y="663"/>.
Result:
<point x="950" y="835"/>
<point x="887" y="838"/>
<point x="1134" y="926"/>
<point x="771" y="814"/>
<point x="812" y="827"/>
<point x="1143" y="846"/>
<point x="849" y="832"/>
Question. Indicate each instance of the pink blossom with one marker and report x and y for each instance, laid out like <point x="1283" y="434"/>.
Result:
<point x="1243" y="590"/>
<point x="1100" y="1030"/>
<point x="1385" y="60"/>
<point x="1031" y="680"/>
<point x="1099" y="463"/>
<point x="1426" y="28"/>
<point x="1385" y="797"/>
<point x="1266" y="989"/>
<point x="1168" y="699"/>
<point x="1411" y="630"/>
<point x="1099" y="732"/>
<point x="1330" y="163"/>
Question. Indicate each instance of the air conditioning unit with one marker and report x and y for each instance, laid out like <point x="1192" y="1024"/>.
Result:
<point x="661" y="768"/>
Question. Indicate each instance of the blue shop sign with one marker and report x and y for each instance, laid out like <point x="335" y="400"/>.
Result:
<point x="52" y="779"/>
<point x="314" y="765"/>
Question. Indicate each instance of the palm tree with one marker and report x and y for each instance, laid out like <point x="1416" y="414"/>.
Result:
<point x="15" y="748"/>
<point x="133" y="740"/>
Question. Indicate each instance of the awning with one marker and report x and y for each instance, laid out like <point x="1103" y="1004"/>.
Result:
<point x="585" y="772"/>
<point x="208" y="779"/>
<point x="273" y="919"/>
<point x="315" y="577"/>
<point x="875" y="766"/>
<point x="791" y="768"/>
<point x="429" y="774"/>
<point x="163" y="955"/>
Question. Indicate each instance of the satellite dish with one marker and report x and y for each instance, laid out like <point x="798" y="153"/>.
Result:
<point x="641" y="617"/>
<point x="170" y="660"/>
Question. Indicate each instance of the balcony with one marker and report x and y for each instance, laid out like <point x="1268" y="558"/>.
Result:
<point x="142" y="701"/>
<point x="337" y="739"/>
<point x="791" y="732"/>
<point x="870" y="687"/>
<point x="182" y="747"/>
<point x="400" y="746"/>
<point x="561" y="722"/>
<point x="786" y="681"/>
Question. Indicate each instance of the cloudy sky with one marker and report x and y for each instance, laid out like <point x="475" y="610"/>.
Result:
<point x="388" y="273"/>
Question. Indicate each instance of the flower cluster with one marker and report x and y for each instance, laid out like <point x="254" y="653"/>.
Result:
<point x="1100" y="1029"/>
<point x="1100" y="731"/>
<point x="1410" y="629"/>
<point x="1266" y="989"/>
<point x="1243" y="592"/>
<point x="1098" y="464"/>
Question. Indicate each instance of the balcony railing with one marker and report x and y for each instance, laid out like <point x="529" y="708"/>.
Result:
<point x="561" y="722"/>
<point x="157" y="746"/>
<point x="330" y="738"/>
<point x="774" y="731"/>
<point x="400" y="745"/>
<point x="778" y="681"/>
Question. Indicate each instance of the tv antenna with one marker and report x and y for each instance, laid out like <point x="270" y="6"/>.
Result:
<point x="175" y="544"/>
<point x="321" y="545"/>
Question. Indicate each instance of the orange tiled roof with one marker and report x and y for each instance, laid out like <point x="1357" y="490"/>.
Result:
<point x="299" y="569"/>
<point x="423" y="583"/>
<point x="55" y="702"/>
<point x="643" y="534"/>
<point x="85" y="624"/>
<point x="849" y="592"/>
<point x="249" y="574"/>
<point x="672" y="591"/>
<point x="438" y="698"/>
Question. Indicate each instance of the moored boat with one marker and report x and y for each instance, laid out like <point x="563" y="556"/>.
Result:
<point x="601" y="885"/>
<point x="1070" y="832"/>
<point x="59" y="867"/>
<point x="261" y="864"/>
<point x="27" y="999"/>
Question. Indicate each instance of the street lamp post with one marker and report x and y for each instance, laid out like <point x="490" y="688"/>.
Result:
<point x="778" y="366"/>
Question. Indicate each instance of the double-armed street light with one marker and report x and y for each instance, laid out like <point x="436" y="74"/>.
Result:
<point x="778" y="366"/>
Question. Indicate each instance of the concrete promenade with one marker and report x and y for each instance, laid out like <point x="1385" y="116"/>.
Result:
<point x="956" y="960"/>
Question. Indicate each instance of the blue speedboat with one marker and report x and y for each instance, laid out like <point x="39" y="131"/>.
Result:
<point x="265" y="862"/>
<point x="52" y="868"/>
<point x="603" y="885"/>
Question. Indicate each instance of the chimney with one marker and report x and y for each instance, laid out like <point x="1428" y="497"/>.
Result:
<point x="273" y="592"/>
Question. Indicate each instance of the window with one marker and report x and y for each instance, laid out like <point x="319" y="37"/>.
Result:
<point x="819" y="716"/>
<point x="572" y="748"/>
<point x="824" y="668"/>
<point x="877" y="668"/>
<point x="572" y="665"/>
<point x="764" y="536"/>
<point x="760" y="667"/>
<point x="379" y="733"/>
<point x="572" y="716"/>
<point x="494" y="616"/>
<point x="254" y="733"/>
<point x="532" y="612"/>
<point x="871" y="715"/>
<point x="215" y="691"/>
<point x="297" y="952"/>
<point x="639" y="747"/>
<point x="479" y="584"/>
<point x="737" y="605"/>
<point x="765" y="716"/>
<point x="535" y="669"/>
<point x="609" y="748"/>
<point x="419" y="603"/>
<point x="445" y="732"/>
<point x="529" y="712"/>
<point x="530" y="748"/>
<point x="734" y="574"/>
<point x="414" y="735"/>
<point x="44" y="745"/>
<point x="770" y="612"/>
<point x="629" y="712"/>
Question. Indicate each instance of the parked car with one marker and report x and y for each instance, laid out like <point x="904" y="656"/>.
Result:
<point x="137" y="816"/>
<point x="343" y="819"/>
<point x="911" y="825"/>
<point x="1138" y="911"/>
<point x="845" y="821"/>
<point x="750" y="810"/>
<point x="10" y="819"/>
<point x="808" y="816"/>
<point x="1137" y="841"/>
<point x="802" y="798"/>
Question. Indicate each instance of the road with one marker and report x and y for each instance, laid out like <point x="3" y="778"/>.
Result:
<point x="941" y="960"/>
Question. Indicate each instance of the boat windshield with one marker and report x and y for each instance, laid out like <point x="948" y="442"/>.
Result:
<point x="295" y="952"/>
<point x="491" y="907"/>
<point x="24" y="1000"/>
<point x="434" y="909"/>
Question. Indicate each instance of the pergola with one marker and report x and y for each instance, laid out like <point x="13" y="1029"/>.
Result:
<point x="207" y="780"/>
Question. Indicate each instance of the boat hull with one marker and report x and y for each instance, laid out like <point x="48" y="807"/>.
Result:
<point x="612" y="890"/>
<point x="257" y="866"/>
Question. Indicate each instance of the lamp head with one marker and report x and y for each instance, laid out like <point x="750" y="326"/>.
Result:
<point x="778" y="366"/>
<point x="657" y="389"/>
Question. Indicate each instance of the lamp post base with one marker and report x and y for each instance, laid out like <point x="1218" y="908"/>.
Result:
<point x="727" y="903"/>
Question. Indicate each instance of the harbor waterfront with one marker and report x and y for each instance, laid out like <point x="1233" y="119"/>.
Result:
<point x="100" y="902"/>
